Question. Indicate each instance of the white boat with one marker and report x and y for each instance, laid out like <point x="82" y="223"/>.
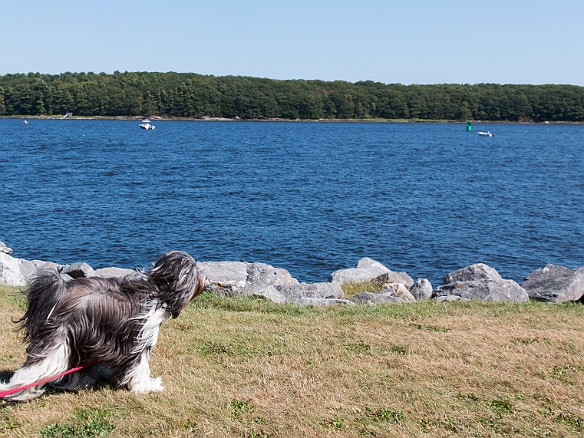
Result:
<point x="146" y="124"/>
<point x="486" y="133"/>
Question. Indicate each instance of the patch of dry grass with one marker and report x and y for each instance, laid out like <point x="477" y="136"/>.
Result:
<point x="353" y="288"/>
<point x="243" y="367"/>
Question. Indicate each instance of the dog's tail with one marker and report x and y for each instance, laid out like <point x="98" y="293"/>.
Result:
<point x="43" y="294"/>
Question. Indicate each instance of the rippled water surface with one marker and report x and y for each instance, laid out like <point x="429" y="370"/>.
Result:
<point x="308" y="197"/>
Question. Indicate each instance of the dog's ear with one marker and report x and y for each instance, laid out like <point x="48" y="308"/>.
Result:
<point x="177" y="280"/>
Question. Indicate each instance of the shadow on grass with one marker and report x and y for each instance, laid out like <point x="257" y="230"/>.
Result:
<point x="102" y="383"/>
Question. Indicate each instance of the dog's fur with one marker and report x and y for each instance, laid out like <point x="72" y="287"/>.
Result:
<point x="113" y="322"/>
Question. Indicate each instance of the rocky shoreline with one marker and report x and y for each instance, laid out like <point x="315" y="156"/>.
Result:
<point x="551" y="283"/>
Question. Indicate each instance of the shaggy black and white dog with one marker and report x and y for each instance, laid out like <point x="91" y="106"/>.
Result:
<point x="111" y="322"/>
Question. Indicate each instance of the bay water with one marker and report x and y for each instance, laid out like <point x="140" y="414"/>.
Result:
<point x="308" y="197"/>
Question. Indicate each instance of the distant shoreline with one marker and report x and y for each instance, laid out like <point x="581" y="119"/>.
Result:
<point x="276" y="119"/>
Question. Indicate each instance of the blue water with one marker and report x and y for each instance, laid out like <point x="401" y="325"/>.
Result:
<point x="308" y="197"/>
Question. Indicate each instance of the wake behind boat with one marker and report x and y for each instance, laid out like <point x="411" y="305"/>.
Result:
<point x="486" y="133"/>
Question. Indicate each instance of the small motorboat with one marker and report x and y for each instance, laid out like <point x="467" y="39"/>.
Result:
<point x="146" y="124"/>
<point x="486" y="133"/>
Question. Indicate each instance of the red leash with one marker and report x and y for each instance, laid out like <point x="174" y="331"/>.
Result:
<point x="43" y="381"/>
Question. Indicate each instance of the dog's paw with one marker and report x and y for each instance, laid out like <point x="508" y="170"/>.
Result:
<point x="156" y="385"/>
<point x="148" y="385"/>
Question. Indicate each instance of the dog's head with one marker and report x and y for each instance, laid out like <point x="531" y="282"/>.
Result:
<point x="176" y="279"/>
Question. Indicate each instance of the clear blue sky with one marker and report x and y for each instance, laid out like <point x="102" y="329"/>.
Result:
<point x="406" y="41"/>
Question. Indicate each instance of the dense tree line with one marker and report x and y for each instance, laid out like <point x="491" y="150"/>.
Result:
<point x="193" y="95"/>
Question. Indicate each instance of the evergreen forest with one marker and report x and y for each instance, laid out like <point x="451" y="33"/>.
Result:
<point x="123" y="94"/>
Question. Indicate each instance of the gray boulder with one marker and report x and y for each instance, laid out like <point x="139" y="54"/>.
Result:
<point x="476" y="272"/>
<point x="113" y="272"/>
<point x="480" y="282"/>
<point x="239" y="278"/>
<point x="376" y="298"/>
<point x="555" y="284"/>
<point x="38" y="267"/>
<point x="398" y="290"/>
<point x="78" y="270"/>
<point x="322" y="302"/>
<point x="485" y="290"/>
<point x="296" y="293"/>
<point x="400" y="277"/>
<point x="421" y="289"/>
<point x="450" y="298"/>
<point x="261" y="274"/>
<point x="10" y="270"/>
<point x="264" y="281"/>
<point x="367" y="270"/>
<point x="224" y="278"/>
<point x="5" y="249"/>
<point x="268" y="293"/>
<point x="18" y="272"/>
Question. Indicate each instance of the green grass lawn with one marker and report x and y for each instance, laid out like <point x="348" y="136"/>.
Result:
<point x="246" y="367"/>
